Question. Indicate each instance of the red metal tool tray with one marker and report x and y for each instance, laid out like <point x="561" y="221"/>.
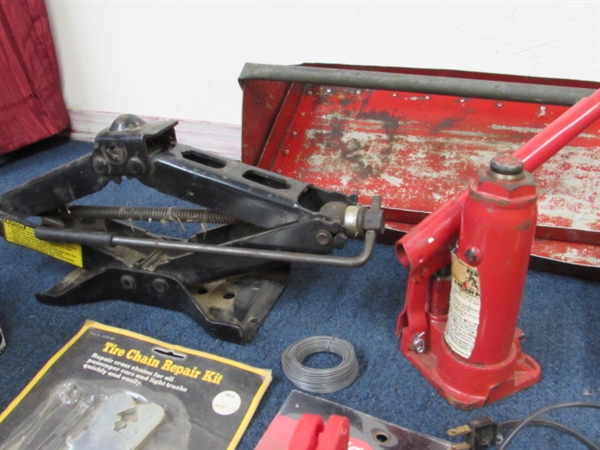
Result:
<point x="416" y="137"/>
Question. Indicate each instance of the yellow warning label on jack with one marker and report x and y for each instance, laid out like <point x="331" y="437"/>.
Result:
<point x="23" y="235"/>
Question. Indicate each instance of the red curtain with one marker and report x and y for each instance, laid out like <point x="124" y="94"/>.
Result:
<point x="31" y="102"/>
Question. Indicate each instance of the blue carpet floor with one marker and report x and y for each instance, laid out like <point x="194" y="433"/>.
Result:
<point x="560" y="317"/>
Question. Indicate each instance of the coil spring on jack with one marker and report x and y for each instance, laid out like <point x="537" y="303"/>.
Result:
<point x="170" y="214"/>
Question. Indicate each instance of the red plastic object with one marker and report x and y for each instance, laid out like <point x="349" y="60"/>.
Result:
<point x="312" y="434"/>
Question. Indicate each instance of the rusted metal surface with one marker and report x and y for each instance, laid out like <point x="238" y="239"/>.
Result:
<point x="418" y="151"/>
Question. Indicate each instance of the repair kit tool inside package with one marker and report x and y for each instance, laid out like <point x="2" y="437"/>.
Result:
<point x="457" y="169"/>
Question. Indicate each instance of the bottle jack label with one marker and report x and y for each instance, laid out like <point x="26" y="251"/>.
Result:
<point x="465" y="305"/>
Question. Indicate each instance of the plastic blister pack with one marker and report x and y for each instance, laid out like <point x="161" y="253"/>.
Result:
<point x="112" y="389"/>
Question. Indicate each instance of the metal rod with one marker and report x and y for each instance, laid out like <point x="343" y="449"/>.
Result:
<point x="426" y="84"/>
<point x="107" y="239"/>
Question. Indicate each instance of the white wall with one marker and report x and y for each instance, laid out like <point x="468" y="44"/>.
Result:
<point x="182" y="59"/>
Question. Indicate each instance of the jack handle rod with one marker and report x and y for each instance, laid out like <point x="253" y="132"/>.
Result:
<point x="107" y="239"/>
<point x="425" y="84"/>
<point x="437" y="230"/>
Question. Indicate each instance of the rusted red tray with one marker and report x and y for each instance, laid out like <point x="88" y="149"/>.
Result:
<point x="418" y="146"/>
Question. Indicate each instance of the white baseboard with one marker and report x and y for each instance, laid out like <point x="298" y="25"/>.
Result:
<point x="220" y="138"/>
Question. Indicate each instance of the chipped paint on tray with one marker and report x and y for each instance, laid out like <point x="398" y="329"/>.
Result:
<point x="393" y="180"/>
<point x="517" y="129"/>
<point x="573" y="253"/>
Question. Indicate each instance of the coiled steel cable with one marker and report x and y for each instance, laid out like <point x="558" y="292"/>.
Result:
<point x="321" y="381"/>
<point x="170" y="214"/>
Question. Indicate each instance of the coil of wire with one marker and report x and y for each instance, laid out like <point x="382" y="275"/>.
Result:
<point x="321" y="381"/>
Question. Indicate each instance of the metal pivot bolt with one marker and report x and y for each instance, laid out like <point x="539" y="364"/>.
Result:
<point x="160" y="285"/>
<point x="135" y="166"/>
<point x="418" y="342"/>
<point x="323" y="237"/>
<point x="128" y="282"/>
<point x="100" y="165"/>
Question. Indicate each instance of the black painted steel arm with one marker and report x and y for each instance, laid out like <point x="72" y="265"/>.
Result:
<point x="56" y="188"/>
